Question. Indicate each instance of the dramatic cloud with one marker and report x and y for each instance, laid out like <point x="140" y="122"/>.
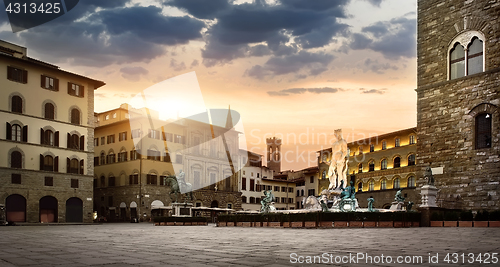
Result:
<point x="177" y="66"/>
<point x="394" y="39"/>
<point x="373" y="91"/>
<point x="294" y="91"/>
<point x="202" y="9"/>
<point x="375" y="66"/>
<point x="100" y="34"/>
<point x="133" y="73"/>
<point x="260" y="29"/>
<point x="316" y="63"/>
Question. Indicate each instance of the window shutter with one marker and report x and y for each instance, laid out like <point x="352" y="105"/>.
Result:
<point x="69" y="141"/>
<point x="82" y="142"/>
<point x="25" y="76"/>
<point x="9" y="131"/>
<point x="82" y="90"/>
<point x="68" y="164"/>
<point x="56" y="164"/>
<point x="42" y="140"/>
<point x="56" y="139"/>
<point x="56" y="84"/>
<point x="69" y="88"/>
<point x="81" y="166"/>
<point x="9" y="72"/>
<point x="41" y="162"/>
<point x="42" y="81"/>
<point x="25" y="133"/>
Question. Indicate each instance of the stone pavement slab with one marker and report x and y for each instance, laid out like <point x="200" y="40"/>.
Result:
<point x="143" y="244"/>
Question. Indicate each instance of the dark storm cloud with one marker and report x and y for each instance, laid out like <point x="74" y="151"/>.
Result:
<point x="312" y="24"/>
<point x="315" y="63"/>
<point x="202" y="9"/>
<point x="295" y="91"/>
<point x="113" y="35"/>
<point x="394" y="39"/>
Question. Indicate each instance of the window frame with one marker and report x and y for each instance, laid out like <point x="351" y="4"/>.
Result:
<point x="488" y="132"/>
<point x="465" y="39"/>
<point x="43" y="83"/>
<point x="20" y="76"/>
<point x="75" y="89"/>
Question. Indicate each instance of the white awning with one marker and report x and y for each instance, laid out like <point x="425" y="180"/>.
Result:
<point x="133" y="204"/>
<point x="123" y="205"/>
<point x="156" y="204"/>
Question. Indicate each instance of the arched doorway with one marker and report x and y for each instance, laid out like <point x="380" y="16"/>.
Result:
<point x="123" y="211"/>
<point x="214" y="204"/>
<point x="74" y="210"/>
<point x="15" y="206"/>
<point x="213" y="214"/>
<point x="48" y="209"/>
<point x="133" y="210"/>
<point x="156" y="208"/>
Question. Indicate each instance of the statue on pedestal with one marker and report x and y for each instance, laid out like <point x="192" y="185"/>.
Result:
<point x="399" y="197"/>
<point x="428" y="176"/>
<point x="339" y="159"/>
<point x="266" y="202"/>
<point x="178" y="185"/>
<point x="370" y="204"/>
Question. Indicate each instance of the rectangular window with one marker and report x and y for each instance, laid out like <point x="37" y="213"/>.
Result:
<point x="310" y="192"/>
<point x="75" y="89"/>
<point x="154" y="155"/>
<point x="151" y="179"/>
<point x="311" y="179"/>
<point x="168" y="137"/>
<point x="179" y="139"/>
<point x="397" y="142"/>
<point x="49" y="181"/>
<point x="136" y="133"/>
<point x="290" y="189"/>
<point x="111" y="181"/>
<point x="155" y="134"/>
<point x="134" y="155"/>
<point x="17" y="75"/>
<point x="178" y="159"/>
<point x="16" y="178"/>
<point x="74" y="183"/>
<point x="372" y="148"/>
<point x="283" y="189"/>
<point x="244" y="184"/>
<point x="252" y="185"/>
<point x="96" y="161"/>
<point x="290" y="200"/>
<point x="122" y="136"/>
<point x="276" y="188"/>
<point x="122" y="156"/>
<point x="283" y="200"/>
<point x="111" y="139"/>
<point x="96" y="141"/>
<point x="103" y="140"/>
<point x="50" y="83"/>
<point x="166" y="157"/>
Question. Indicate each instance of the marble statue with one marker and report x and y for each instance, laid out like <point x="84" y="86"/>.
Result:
<point x="370" y="204"/>
<point x="324" y="206"/>
<point x="399" y="197"/>
<point x="266" y="202"/>
<point x="339" y="158"/>
<point x="428" y="175"/>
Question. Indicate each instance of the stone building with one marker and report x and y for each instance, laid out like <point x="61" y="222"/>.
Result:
<point x="307" y="183"/>
<point x="256" y="178"/>
<point x="46" y="163"/>
<point x="131" y="177"/>
<point x="379" y="166"/>
<point x="458" y="98"/>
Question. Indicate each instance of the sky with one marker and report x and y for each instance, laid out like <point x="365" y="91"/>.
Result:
<point x="295" y="69"/>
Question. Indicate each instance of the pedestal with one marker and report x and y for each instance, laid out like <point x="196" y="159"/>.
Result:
<point x="428" y="193"/>
<point x="182" y="209"/>
<point x="396" y="205"/>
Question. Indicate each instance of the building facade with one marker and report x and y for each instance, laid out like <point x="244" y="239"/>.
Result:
<point x="131" y="177"/>
<point x="46" y="167"/>
<point x="379" y="166"/>
<point x="458" y="99"/>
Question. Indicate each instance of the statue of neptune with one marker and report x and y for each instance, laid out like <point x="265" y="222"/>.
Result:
<point x="338" y="163"/>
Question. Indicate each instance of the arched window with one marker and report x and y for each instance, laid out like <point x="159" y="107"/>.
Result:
<point x="49" y="111"/>
<point x="383" y="164"/>
<point x="397" y="162"/>
<point x="396" y="183"/>
<point x="371" y="185"/>
<point x="411" y="181"/>
<point x="102" y="159"/>
<point x="371" y="166"/>
<point x="244" y="199"/>
<point x="16" y="160"/>
<point x="466" y="54"/>
<point x="457" y="61"/>
<point x="75" y="116"/>
<point x="48" y="137"/>
<point x="302" y="192"/>
<point x="475" y="57"/>
<point x="16" y="132"/>
<point x="383" y="184"/>
<point x="17" y="104"/>
<point x="103" y="181"/>
<point x="483" y="130"/>
<point x="411" y="160"/>
<point x="111" y="157"/>
<point x="73" y="166"/>
<point x="360" y="168"/>
<point x="360" y="187"/>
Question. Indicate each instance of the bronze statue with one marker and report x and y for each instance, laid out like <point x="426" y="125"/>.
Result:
<point x="179" y="185"/>
<point x="399" y="197"/>
<point x="370" y="204"/>
<point x="428" y="175"/>
<point x="266" y="201"/>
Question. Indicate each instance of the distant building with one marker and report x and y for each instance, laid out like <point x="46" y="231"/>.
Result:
<point x="379" y="166"/>
<point x="274" y="156"/>
<point x="307" y="183"/>
<point x="458" y="99"/>
<point x="130" y="178"/>
<point x="256" y="178"/>
<point x="46" y="139"/>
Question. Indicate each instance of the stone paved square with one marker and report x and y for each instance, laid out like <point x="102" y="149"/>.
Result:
<point x="147" y="245"/>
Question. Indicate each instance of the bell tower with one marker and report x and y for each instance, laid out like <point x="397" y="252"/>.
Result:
<point x="274" y="154"/>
